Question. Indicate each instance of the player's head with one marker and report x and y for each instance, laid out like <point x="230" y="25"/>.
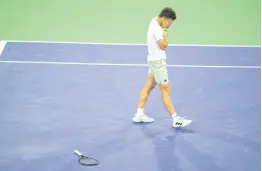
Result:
<point x="167" y="16"/>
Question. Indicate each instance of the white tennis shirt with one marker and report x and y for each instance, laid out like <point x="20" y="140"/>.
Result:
<point x="154" y="34"/>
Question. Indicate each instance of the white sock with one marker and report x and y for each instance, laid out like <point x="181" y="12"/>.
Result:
<point x="140" y="110"/>
<point x="174" y="115"/>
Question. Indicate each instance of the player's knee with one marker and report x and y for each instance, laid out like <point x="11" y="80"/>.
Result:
<point x="150" y="87"/>
<point x="165" y="89"/>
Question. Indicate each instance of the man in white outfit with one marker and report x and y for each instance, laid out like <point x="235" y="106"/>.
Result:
<point x="157" y="41"/>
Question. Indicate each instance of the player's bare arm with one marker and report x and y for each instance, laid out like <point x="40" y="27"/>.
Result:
<point x="163" y="43"/>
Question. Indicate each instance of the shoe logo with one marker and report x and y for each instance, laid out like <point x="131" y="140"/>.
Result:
<point x="177" y="123"/>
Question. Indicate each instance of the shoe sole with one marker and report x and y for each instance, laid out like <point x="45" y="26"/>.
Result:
<point x="138" y="121"/>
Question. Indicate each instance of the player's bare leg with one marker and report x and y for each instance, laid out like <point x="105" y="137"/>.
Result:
<point x="144" y="94"/>
<point x="165" y="90"/>
<point x="177" y="120"/>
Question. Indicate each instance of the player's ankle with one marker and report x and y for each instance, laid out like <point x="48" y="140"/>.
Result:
<point x="174" y="115"/>
<point x="140" y="110"/>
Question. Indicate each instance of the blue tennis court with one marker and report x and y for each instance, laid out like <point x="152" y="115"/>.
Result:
<point x="58" y="97"/>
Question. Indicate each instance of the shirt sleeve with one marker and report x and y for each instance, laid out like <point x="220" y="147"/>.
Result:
<point x="158" y="33"/>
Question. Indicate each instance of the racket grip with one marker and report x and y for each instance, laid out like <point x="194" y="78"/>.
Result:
<point x="78" y="153"/>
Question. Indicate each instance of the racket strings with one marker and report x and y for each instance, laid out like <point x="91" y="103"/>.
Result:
<point x="88" y="161"/>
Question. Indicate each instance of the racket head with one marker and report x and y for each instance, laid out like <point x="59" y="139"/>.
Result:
<point x="88" y="161"/>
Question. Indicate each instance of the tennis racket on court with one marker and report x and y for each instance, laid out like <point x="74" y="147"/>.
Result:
<point x="85" y="160"/>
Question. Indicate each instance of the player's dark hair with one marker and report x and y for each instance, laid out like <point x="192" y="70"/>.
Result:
<point x="168" y="13"/>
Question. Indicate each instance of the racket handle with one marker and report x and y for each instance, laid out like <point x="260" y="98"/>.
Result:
<point x="78" y="153"/>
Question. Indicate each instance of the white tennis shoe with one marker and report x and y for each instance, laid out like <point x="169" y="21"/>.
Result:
<point x="181" y="122"/>
<point x="142" y="117"/>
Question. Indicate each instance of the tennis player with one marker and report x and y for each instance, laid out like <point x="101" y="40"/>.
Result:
<point x="157" y="41"/>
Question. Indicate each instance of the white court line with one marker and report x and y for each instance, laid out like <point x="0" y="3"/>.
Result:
<point x="131" y="65"/>
<point x="127" y="44"/>
<point x="2" y="46"/>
